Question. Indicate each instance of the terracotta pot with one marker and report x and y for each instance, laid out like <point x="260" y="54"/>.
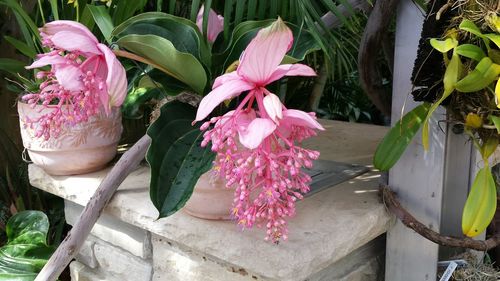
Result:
<point x="210" y="199"/>
<point x="79" y="149"/>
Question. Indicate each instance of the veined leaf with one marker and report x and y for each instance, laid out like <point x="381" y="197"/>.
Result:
<point x="481" y="204"/>
<point x="177" y="160"/>
<point x="444" y="46"/>
<point x="470" y="51"/>
<point x="483" y="75"/>
<point x="182" y="66"/>
<point x="26" y="251"/>
<point x="397" y="139"/>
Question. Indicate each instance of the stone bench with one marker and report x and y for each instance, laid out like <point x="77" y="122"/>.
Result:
<point x="338" y="233"/>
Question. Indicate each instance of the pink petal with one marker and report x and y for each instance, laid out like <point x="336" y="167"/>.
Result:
<point x="265" y="52"/>
<point x="116" y="80"/>
<point x="97" y="65"/>
<point x="70" y="41"/>
<point x="223" y="92"/>
<point x="291" y="70"/>
<point x="70" y="77"/>
<point x="51" y="28"/>
<point x="273" y="107"/>
<point x="215" y="24"/>
<point x="47" y="60"/>
<point x="300" y="118"/>
<point x="225" y="78"/>
<point x="256" y="132"/>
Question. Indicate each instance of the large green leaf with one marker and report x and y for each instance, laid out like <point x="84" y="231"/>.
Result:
<point x="483" y="75"/>
<point x="481" y="204"/>
<point x="183" y="33"/>
<point x="26" y="251"/>
<point x="124" y="9"/>
<point x="176" y="158"/>
<point x="182" y="66"/>
<point x="470" y="51"/>
<point x="102" y="19"/>
<point x="397" y="139"/>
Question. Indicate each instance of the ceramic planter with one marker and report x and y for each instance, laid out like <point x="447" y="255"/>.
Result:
<point x="79" y="149"/>
<point x="210" y="199"/>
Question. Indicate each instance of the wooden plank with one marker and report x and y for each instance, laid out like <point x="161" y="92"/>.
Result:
<point x="418" y="176"/>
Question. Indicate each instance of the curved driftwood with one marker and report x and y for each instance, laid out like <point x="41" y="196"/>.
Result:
<point x="371" y="43"/>
<point x="393" y="205"/>
<point x="74" y="241"/>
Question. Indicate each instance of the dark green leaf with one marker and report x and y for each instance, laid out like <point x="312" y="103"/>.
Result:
<point x="103" y="20"/>
<point x="12" y="66"/>
<point x="397" y="139"/>
<point x="177" y="160"/>
<point x="21" y="46"/>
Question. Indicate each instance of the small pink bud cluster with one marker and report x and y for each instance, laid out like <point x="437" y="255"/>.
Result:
<point x="268" y="178"/>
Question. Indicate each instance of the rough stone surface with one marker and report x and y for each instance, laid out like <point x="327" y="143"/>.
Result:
<point x="124" y="235"/>
<point x="86" y="254"/>
<point x="79" y="272"/>
<point x="121" y="264"/>
<point x="170" y="262"/>
<point x="329" y="225"/>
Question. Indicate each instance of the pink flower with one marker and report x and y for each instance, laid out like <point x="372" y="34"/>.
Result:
<point x="256" y="145"/>
<point x="85" y="76"/>
<point x="215" y="24"/>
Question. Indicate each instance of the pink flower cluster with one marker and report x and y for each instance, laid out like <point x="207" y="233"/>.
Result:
<point x="85" y="78"/>
<point x="256" y="144"/>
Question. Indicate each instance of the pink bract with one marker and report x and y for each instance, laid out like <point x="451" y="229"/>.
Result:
<point x="256" y="144"/>
<point x="215" y="24"/>
<point x="85" y="78"/>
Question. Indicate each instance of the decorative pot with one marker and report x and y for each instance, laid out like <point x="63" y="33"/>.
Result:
<point x="79" y="149"/>
<point x="210" y="199"/>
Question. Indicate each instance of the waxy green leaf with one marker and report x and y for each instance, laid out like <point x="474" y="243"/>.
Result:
<point x="470" y="51"/>
<point x="483" y="75"/>
<point x="444" y="46"/>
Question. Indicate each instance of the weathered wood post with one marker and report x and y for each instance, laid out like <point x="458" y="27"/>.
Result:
<point x="432" y="185"/>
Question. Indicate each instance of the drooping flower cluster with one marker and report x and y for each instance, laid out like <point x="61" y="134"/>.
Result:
<point x="256" y="144"/>
<point x="85" y="78"/>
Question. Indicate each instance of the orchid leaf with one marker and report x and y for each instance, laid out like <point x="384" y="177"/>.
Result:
<point x="397" y="139"/>
<point x="495" y="38"/>
<point x="444" y="46"/>
<point x="481" y="204"/>
<point x="497" y="93"/>
<point x="470" y="51"/>
<point x="451" y="76"/>
<point x="489" y="147"/>
<point x="483" y="75"/>
<point x="496" y="122"/>
<point x="471" y="27"/>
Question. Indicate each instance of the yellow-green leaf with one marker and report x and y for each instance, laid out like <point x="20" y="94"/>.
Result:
<point x="481" y="204"/>
<point x="451" y="76"/>
<point x="471" y="27"/>
<point x="483" y="75"/>
<point x="497" y="94"/>
<point x="470" y="51"/>
<point x="493" y="21"/>
<point x="496" y="122"/>
<point x="495" y="38"/>
<point x="489" y="147"/>
<point x="444" y="45"/>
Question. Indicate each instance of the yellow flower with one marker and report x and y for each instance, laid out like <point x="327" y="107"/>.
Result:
<point x="74" y="2"/>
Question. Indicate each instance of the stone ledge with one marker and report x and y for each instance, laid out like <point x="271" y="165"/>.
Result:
<point x="329" y="225"/>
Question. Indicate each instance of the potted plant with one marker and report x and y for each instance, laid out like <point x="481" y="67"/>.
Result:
<point x="460" y="68"/>
<point x="72" y="123"/>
